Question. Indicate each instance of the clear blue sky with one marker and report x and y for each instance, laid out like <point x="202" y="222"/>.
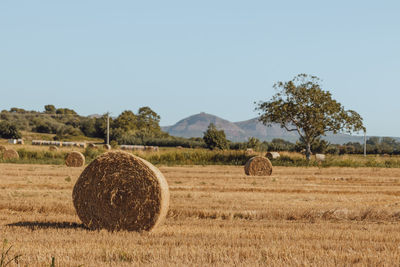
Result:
<point x="184" y="57"/>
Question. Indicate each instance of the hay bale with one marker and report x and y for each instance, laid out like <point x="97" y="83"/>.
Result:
<point x="92" y="146"/>
<point x="53" y="148"/>
<point x="273" y="155"/>
<point x="75" y="159"/>
<point x="10" y="154"/>
<point x="258" y="166"/>
<point x="320" y="157"/>
<point x="106" y="146"/>
<point x="120" y="191"/>
<point x="2" y="148"/>
<point x="249" y="151"/>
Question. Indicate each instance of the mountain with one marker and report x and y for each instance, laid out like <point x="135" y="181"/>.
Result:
<point x="196" y="125"/>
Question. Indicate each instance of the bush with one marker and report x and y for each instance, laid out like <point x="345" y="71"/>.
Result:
<point x="9" y="130"/>
<point x="215" y="138"/>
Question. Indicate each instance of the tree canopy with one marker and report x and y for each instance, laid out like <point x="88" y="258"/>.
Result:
<point x="215" y="138"/>
<point x="301" y="105"/>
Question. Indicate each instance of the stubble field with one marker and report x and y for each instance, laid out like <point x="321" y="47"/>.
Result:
<point x="218" y="216"/>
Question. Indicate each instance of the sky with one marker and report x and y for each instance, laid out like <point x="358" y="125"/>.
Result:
<point x="185" y="57"/>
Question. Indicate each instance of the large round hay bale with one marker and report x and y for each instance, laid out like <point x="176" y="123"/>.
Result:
<point x="10" y="154"/>
<point x="75" y="159"/>
<point x="120" y="191"/>
<point x="106" y="147"/>
<point x="258" y="166"/>
<point x="273" y="155"/>
<point x="2" y="148"/>
<point x="53" y="148"/>
<point x="319" y="157"/>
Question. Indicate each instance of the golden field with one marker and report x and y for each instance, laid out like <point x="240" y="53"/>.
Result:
<point x="218" y="216"/>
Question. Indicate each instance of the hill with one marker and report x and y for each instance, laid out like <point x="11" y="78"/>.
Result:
<point x="196" y="125"/>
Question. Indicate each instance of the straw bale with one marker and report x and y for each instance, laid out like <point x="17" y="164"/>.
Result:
<point x="106" y="147"/>
<point x="92" y="146"/>
<point x="319" y="157"/>
<point x="258" y="166"/>
<point x="120" y="191"/>
<point x="53" y="148"/>
<point x="273" y="155"/>
<point x="148" y="148"/>
<point x="2" y="148"/>
<point x="10" y="154"/>
<point x="249" y="151"/>
<point x="75" y="159"/>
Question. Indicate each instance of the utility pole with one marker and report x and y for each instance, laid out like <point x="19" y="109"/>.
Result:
<point x="365" y="143"/>
<point x="108" y="128"/>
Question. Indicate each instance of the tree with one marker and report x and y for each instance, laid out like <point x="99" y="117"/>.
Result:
<point x="301" y="105"/>
<point x="253" y="143"/>
<point x="50" y="109"/>
<point x="8" y="130"/>
<point x="126" y="121"/>
<point x="215" y="138"/>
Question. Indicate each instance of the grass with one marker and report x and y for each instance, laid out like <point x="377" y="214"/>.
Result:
<point x="218" y="216"/>
<point x="173" y="157"/>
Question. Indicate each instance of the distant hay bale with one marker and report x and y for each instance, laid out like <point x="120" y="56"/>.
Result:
<point x="10" y="154"/>
<point x="75" y="159"/>
<point x="106" y="146"/>
<point x="249" y="151"/>
<point x="273" y="155"/>
<point x="2" y="148"/>
<point x="120" y="191"/>
<point x="148" y="148"/>
<point x="92" y="146"/>
<point x="320" y="157"/>
<point x="258" y="166"/>
<point x="53" y="148"/>
<point x="179" y="147"/>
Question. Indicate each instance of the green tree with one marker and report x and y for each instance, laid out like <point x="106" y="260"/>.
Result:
<point x="50" y="109"/>
<point x="148" y="120"/>
<point x="126" y="121"/>
<point x="301" y="105"/>
<point x="253" y="143"/>
<point x="215" y="138"/>
<point x="9" y="130"/>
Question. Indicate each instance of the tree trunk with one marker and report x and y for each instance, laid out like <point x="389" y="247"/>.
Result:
<point x="308" y="151"/>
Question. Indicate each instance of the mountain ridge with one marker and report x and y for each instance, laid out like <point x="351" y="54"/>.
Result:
<point x="195" y="125"/>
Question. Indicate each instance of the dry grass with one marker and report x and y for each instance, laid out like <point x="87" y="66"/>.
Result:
<point x="218" y="216"/>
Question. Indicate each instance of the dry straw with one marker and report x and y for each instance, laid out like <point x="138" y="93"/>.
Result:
<point x="53" y="148"/>
<point x="10" y="154"/>
<point x="75" y="159"/>
<point x="92" y="146"/>
<point x="120" y="191"/>
<point x="106" y="146"/>
<point x="258" y="166"/>
<point x="273" y="155"/>
<point x="249" y="151"/>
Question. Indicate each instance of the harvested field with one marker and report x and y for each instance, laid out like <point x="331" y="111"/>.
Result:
<point x="218" y="216"/>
